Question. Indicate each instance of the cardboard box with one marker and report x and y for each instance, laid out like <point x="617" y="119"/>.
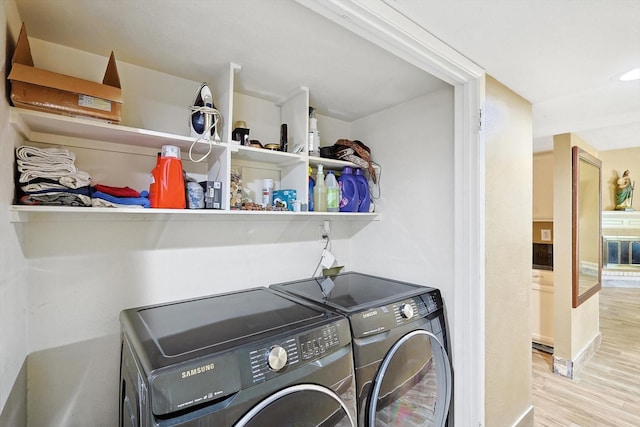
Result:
<point x="42" y="90"/>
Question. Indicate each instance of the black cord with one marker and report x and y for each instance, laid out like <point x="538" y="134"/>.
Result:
<point x="320" y="262"/>
<point x="377" y="185"/>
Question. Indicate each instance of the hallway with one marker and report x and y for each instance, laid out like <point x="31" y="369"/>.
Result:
<point x="607" y="391"/>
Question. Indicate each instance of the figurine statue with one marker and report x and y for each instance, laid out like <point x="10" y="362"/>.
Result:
<point x="624" y="193"/>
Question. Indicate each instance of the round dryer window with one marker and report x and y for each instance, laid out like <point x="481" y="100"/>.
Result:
<point x="303" y="405"/>
<point x="413" y="385"/>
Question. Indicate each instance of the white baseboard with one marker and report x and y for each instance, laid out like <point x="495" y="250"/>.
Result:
<point x="569" y="368"/>
<point x="526" y="419"/>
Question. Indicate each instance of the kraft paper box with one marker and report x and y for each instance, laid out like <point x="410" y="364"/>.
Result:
<point x="37" y="89"/>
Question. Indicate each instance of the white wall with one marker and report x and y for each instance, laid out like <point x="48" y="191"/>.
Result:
<point x="13" y="266"/>
<point x="414" y="239"/>
<point x="79" y="285"/>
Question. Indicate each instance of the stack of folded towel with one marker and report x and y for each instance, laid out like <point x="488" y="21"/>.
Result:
<point x="118" y="197"/>
<point x="48" y="176"/>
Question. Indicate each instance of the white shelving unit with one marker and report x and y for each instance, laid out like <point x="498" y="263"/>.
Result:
<point x="289" y="170"/>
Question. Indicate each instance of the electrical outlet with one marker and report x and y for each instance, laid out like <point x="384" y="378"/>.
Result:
<point x="326" y="229"/>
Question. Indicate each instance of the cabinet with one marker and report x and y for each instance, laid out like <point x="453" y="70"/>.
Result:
<point x="288" y="170"/>
<point x="542" y="314"/>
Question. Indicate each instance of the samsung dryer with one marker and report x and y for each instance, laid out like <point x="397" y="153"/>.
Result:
<point x="242" y="359"/>
<point x="403" y="371"/>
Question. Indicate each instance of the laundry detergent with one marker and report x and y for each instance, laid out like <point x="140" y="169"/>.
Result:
<point x="349" y="194"/>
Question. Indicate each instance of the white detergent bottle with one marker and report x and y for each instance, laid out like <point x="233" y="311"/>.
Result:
<point x="333" y="193"/>
<point x="314" y="134"/>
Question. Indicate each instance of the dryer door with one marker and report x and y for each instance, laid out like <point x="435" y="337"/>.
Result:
<point x="304" y="405"/>
<point x="413" y="384"/>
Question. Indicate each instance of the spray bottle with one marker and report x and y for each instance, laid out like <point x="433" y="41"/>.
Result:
<point x="320" y="193"/>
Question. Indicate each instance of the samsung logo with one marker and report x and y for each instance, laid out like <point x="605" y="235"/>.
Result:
<point x="199" y="370"/>
<point x="370" y="314"/>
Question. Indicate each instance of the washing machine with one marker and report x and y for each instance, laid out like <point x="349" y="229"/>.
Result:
<point x="399" y="338"/>
<point x="242" y="359"/>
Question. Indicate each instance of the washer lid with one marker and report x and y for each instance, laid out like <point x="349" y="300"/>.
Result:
<point x="351" y="292"/>
<point x="218" y="322"/>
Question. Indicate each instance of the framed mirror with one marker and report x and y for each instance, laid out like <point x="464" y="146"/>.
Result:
<point x="587" y="220"/>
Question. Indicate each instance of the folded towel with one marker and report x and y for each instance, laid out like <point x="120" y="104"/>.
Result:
<point x="143" y="200"/>
<point x="44" y="155"/>
<point x="40" y="184"/>
<point x="29" y="171"/>
<point x="82" y="190"/>
<point x="117" y="191"/>
<point x="102" y="203"/>
<point x="67" y="178"/>
<point x="56" y="199"/>
<point x="79" y="179"/>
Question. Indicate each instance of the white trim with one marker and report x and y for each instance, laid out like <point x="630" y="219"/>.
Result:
<point x="468" y="325"/>
<point x="569" y="368"/>
<point x="384" y="26"/>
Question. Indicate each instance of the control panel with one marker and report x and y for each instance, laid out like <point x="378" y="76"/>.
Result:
<point x="317" y="342"/>
<point x="269" y="359"/>
<point x="405" y="311"/>
<point x="433" y="301"/>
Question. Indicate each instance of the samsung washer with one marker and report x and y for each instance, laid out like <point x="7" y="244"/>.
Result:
<point x="403" y="371"/>
<point x="242" y="359"/>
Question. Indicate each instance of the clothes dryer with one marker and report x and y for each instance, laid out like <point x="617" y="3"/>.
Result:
<point x="243" y="359"/>
<point x="403" y="371"/>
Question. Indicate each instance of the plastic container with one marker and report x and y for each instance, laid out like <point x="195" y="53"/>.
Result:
<point x="320" y="192"/>
<point x="314" y="134"/>
<point x="167" y="188"/>
<point x="349" y="194"/>
<point x="333" y="192"/>
<point x="267" y="192"/>
<point x="195" y="195"/>
<point x="363" y="191"/>
<point x="312" y="183"/>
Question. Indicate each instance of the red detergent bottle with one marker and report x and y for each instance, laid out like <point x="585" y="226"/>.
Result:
<point x="167" y="185"/>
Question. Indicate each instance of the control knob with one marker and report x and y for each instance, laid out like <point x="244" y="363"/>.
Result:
<point x="406" y="310"/>
<point x="277" y="358"/>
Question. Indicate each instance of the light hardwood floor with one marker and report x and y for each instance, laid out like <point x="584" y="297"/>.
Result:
<point x="607" y="390"/>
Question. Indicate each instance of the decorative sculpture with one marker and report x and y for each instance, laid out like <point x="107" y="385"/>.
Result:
<point x="624" y="192"/>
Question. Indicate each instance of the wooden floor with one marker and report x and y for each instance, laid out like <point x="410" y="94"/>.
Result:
<point x="607" y="390"/>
